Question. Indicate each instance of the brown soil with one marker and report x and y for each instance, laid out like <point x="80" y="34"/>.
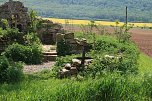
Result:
<point x="142" y="37"/>
<point x="37" y="68"/>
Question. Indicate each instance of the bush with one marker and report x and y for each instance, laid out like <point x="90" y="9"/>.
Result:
<point x="32" y="39"/>
<point x="63" y="48"/>
<point x="28" y="54"/>
<point x="10" y="71"/>
<point x="125" y="56"/>
<point x="12" y="35"/>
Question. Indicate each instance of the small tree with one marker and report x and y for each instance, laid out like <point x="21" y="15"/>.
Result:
<point x="123" y="33"/>
<point x="34" y="21"/>
<point x="93" y="25"/>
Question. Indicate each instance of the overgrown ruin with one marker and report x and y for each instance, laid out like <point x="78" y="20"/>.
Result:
<point x="16" y="14"/>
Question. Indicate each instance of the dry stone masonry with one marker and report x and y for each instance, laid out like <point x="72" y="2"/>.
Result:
<point x="16" y="14"/>
<point x="75" y="45"/>
<point x="48" y="31"/>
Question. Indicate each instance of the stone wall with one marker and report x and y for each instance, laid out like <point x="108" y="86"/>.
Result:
<point x="48" y="30"/>
<point x="75" y="45"/>
<point x="16" y="14"/>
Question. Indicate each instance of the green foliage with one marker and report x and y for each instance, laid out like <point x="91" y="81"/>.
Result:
<point x="28" y="54"/>
<point x="10" y="71"/>
<point x="121" y="56"/>
<point x="5" y="23"/>
<point x="63" y="48"/>
<point x="122" y="33"/>
<point x="12" y="35"/>
<point x="107" y="87"/>
<point x="34" y="21"/>
<point x="32" y="39"/>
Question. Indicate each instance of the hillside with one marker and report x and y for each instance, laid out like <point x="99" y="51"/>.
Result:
<point x="139" y="10"/>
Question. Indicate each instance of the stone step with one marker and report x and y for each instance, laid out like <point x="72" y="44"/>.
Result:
<point x="47" y="58"/>
<point x="50" y="53"/>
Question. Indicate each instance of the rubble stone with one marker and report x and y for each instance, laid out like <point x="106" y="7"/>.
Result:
<point x="64" y="73"/>
<point x="76" y="62"/>
<point x="73" y="71"/>
<point x="67" y="66"/>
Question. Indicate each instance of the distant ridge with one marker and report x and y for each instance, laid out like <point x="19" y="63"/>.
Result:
<point x="139" y="10"/>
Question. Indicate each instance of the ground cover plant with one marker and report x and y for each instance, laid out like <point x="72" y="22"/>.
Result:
<point x="28" y="54"/>
<point x="22" y="46"/>
<point x="10" y="71"/>
<point x="116" y="73"/>
<point x="107" y="86"/>
<point x="41" y="86"/>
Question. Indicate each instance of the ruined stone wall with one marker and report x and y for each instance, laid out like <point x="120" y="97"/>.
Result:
<point x="16" y="14"/>
<point x="75" y="46"/>
<point x="48" y="30"/>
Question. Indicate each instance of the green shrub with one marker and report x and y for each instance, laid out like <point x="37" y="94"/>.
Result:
<point x="63" y="48"/>
<point x="32" y="39"/>
<point x="10" y="71"/>
<point x="12" y="35"/>
<point x="28" y="54"/>
<point x="125" y="56"/>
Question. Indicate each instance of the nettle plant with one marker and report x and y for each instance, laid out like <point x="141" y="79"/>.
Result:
<point x="122" y="33"/>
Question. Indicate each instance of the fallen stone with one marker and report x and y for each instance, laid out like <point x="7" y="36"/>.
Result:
<point x="73" y="71"/>
<point x="76" y="62"/>
<point x="67" y="66"/>
<point x="88" y="61"/>
<point x="64" y="73"/>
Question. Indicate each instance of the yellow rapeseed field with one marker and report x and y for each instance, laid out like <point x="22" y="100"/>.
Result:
<point x="103" y="23"/>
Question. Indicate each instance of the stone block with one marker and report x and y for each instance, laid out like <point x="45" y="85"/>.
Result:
<point x="76" y="62"/>
<point x="69" y="36"/>
<point x="64" y="73"/>
<point x="67" y="66"/>
<point x="73" y="71"/>
<point x="59" y="37"/>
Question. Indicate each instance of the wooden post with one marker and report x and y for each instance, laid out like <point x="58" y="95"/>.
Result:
<point x="83" y="53"/>
<point x="126" y="15"/>
<point x="83" y="56"/>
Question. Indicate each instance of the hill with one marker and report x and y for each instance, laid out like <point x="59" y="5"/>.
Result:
<point x="139" y="10"/>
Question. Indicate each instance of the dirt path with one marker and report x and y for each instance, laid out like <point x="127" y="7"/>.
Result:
<point x="37" y="68"/>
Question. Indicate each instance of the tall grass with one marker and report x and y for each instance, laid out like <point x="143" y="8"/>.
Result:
<point x="109" y="87"/>
<point x="106" y="87"/>
<point x="145" y="64"/>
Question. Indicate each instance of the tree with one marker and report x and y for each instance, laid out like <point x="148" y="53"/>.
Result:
<point x="34" y="21"/>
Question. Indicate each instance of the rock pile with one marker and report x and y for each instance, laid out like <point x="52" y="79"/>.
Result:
<point x="72" y="69"/>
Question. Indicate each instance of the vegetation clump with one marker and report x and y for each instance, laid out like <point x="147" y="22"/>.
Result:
<point x="10" y="71"/>
<point x="28" y="54"/>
